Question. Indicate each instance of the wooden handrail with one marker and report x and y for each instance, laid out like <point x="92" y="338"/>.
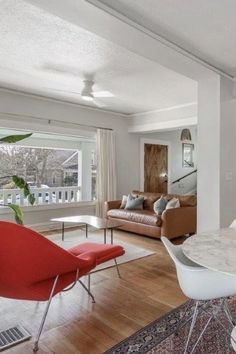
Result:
<point x="180" y="179"/>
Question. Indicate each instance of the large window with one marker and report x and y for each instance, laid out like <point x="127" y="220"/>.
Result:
<point x="58" y="169"/>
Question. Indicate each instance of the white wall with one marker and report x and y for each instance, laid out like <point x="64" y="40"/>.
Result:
<point x="216" y="146"/>
<point x="164" y="119"/>
<point x="39" y="217"/>
<point x="216" y="153"/>
<point x="29" y="113"/>
<point x="228" y="163"/>
<point x="176" y="168"/>
<point x="209" y="153"/>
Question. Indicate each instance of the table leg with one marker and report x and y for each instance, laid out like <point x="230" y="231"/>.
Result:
<point x="86" y="230"/>
<point x="105" y="236"/>
<point x="111" y="236"/>
<point x="63" y="231"/>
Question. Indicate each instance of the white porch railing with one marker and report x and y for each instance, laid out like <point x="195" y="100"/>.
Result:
<point x="42" y="195"/>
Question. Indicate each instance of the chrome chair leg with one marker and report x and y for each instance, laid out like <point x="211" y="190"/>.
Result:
<point x="89" y="281"/>
<point x="228" y="313"/>
<point x="195" y="314"/>
<point x="201" y="334"/>
<point x="117" y="268"/>
<point x="180" y="322"/>
<point x="226" y="330"/>
<point x="88" y="291"/>
<point x="73" y="284"/>
<point x="36" y="343"/>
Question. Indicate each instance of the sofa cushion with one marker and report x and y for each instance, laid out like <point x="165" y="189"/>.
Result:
<point x="134" y="203"/>
<point x="149" y="198"/>
<point x="160" y="205"/>
<point x="139" y="216"/>
<point x="187" y="200"/>
<point x="123" y="202"/>
<point x="173" y="203"/>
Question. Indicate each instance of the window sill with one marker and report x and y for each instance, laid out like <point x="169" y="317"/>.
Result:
<point x="6" y="210"/>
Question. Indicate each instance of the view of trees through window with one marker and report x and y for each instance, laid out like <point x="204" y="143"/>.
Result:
<point x="38" y="166"/>
<point x="46" y="168"/>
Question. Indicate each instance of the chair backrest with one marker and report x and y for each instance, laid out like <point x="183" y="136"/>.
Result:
<point x="27" y="257"/>
<point x="233" y="224"/>
<point x="177" y="255"/>
<point x="189" y="273"/>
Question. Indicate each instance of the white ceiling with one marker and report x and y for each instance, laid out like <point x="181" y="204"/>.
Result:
<point x="40" y="52"/>
<point x="205" y="28"/>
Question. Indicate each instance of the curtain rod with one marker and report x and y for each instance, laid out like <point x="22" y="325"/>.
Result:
<point x="50" y="121"/>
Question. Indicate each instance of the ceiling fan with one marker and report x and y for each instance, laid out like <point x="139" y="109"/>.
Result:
<point x="87" y="93"/>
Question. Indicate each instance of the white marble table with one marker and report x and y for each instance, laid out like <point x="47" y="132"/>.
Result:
<point x="215" y="250"/>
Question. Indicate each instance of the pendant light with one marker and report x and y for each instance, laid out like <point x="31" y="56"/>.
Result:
<point x="185" y="135"/>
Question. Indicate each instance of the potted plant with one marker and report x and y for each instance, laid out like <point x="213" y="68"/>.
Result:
<point x="18" y="181"/>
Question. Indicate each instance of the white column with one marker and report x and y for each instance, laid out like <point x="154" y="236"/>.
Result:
<point x="208" y="188"/>
<point x="227" y="154"/>
<point x="216" y="153"/>
<point x="79" y="168"/>
<point x="86" y="175"/>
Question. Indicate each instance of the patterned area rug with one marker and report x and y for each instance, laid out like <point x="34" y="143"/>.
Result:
<point x="159" y="338"/>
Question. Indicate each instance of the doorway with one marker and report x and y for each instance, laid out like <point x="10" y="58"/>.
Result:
<point x="154" y="166"/>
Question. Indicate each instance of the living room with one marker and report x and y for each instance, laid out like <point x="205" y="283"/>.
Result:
<point x="120" y="109"/>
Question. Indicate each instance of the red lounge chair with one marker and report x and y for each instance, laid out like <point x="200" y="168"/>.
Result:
<point x="34" y="268"/>
<point x="103" y="252"/>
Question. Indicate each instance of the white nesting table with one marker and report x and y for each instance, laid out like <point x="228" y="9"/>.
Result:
<point x="90" y="220"/>
<point x="215" y="250"/>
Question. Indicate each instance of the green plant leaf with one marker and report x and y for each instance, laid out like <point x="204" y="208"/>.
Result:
<point x="18" y="213"/>
<point x="31" y="199"/>
<point x="10" y="139"/>
<point x="20" y="183"/>
<point x="26" y="190"/>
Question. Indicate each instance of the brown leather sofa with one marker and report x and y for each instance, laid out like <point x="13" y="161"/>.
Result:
<point x="172" y="223"/>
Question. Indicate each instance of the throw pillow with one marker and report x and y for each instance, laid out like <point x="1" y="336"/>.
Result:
<point x="173" y="203"/>
<point x="134" y="203"/>
<point x="123" y="202"/>
<point x="160" y="205"/>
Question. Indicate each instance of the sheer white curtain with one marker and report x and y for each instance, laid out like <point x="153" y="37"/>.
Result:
<point x="106" y="169"/>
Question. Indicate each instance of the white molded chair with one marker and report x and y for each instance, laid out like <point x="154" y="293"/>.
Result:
<point x="201" y="284"/>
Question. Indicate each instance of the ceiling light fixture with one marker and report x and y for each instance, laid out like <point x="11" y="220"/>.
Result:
<point x="87" y="92"/>
<point x="87" y="97"/>
<point x="185" y="135"/>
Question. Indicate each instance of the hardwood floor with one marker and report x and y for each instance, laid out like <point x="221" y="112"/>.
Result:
<point x="148" y="289"/>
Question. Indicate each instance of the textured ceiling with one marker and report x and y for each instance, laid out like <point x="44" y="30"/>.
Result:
<point x="41" y="52"/>
<point x="204" y="28"/>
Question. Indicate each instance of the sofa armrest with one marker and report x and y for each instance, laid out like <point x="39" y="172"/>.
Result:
<point x="179" y="221"/>
<point x="112" y="204"/>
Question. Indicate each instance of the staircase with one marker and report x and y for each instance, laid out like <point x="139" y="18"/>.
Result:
<point x="185" y="185"/>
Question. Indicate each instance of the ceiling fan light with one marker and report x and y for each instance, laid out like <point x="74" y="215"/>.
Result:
<point x="87" y="92"/>
<point x="185" y="135"/>
<point x="87" y="97"/>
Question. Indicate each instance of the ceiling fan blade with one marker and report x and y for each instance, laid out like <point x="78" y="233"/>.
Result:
<point x="62" y="69"/>
<point x="105" y="94"/>
<point x="98" y="103"/>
